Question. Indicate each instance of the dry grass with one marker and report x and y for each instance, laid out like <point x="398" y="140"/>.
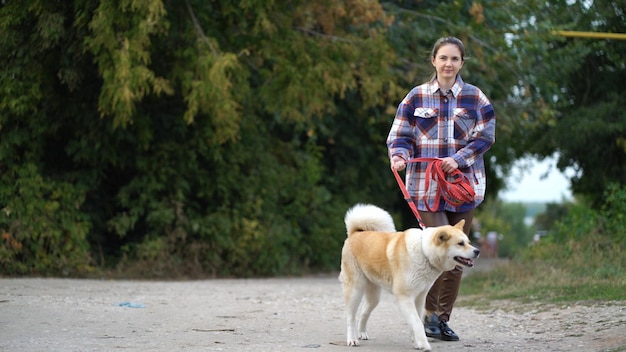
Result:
<point x="556" y="273"/>
<point x="529" y="280"/>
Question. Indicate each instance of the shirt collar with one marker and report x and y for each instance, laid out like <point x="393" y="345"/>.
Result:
<point x="455" y="90"/>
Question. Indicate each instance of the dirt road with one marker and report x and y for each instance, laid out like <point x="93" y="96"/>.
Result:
<point x="286" y="314"/>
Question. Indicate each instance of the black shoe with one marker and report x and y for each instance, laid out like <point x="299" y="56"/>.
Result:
<point x="446" y="333"/>
<point x="431" y="326"/>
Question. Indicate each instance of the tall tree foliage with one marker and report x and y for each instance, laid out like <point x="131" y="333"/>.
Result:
<point x="580" y="80"/>
<point x="229" y="137"/>
<point x="180" y="135"/>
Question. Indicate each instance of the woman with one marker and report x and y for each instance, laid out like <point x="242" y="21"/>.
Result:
<point x="452" y="120"/>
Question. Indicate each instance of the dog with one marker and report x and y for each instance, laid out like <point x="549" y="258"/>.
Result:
<point x="406" y="263"/>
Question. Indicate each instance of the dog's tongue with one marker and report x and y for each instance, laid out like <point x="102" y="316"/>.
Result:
<point x="465" y="261"/>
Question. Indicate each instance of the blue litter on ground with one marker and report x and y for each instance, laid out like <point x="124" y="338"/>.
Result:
<point x="131" y="305"/>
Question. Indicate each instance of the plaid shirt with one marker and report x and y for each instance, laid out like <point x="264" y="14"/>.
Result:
<point x="459" y="123"/>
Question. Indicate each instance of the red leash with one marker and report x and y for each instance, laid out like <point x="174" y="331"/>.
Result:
<point x="455" y="192"/>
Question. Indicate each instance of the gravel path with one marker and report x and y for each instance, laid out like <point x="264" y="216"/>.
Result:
<point x="282" y="314"/>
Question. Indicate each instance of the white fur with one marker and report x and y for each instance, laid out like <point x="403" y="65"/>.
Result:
<point x="367" y="217"/>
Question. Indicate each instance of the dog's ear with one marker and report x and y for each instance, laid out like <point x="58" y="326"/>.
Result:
<point x="459" y="225"/>
<point x="442" y="237"/>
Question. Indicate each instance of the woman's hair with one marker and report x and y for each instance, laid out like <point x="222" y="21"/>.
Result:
<point x="448" y="40"/>
<point x="443" y="41"/>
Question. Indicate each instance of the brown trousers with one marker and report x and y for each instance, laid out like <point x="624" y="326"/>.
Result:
<point x="444" y="291"/>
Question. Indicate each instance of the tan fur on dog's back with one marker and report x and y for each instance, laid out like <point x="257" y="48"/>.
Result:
<point x="371" y="261"/>
<point x="406" y="263"/>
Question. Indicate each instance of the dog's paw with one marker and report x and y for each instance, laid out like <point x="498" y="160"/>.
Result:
<point x="363" y="336"/>
<point x="422" y="346"/>
<point x="354" y="343"/>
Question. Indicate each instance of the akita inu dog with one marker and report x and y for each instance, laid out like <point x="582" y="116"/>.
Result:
<point x="406" y="263"/>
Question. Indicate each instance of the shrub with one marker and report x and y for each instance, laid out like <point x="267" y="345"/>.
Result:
<point x="43" y="230"/>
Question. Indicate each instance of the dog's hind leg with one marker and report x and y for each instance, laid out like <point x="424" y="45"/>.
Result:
<point x="352" y="296"/>
<point x="372" y="297"/>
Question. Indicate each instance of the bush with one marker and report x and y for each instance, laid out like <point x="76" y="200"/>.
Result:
<point x="43" y="230"/>
<point x="581" y="258"/>
<point x="585" y="235"/>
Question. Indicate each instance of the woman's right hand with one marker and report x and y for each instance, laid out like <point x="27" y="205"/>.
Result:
<point x="398" y="163"/>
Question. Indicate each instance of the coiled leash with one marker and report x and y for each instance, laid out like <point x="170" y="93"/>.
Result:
<point x="455" y="192"/>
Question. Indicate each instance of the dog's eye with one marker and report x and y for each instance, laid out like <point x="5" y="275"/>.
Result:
<point x="461" y="243"/>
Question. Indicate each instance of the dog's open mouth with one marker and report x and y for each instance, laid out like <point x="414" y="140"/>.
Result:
<point x="465" y="261"/>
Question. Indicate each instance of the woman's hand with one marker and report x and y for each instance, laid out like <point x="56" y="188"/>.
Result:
<point x="398" y="163"/>
<point x="448" y="165"/>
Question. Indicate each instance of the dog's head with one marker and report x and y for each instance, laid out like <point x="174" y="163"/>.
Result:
<point x="450" y="246"/>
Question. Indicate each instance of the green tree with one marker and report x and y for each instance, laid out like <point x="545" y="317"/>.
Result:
<point x="554" y="213"/>
<point x="581" y="80"/>
<point x="182" y="137"/>
<point x="507" y="219"/>
<point x="229" y="137"/>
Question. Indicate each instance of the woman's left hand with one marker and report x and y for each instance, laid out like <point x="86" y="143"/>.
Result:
<point x="448" y="164"/>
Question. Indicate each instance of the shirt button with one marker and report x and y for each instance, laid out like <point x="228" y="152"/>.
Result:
<point x="445" y="100"/>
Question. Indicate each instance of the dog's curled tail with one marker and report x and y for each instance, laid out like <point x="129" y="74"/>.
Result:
<point x="367" y="217"/>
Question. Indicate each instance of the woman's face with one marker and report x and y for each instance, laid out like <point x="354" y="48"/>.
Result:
<point x="447" y="61"/>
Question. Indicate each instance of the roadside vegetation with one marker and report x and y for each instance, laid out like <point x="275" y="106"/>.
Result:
<point x="200" y="139"/>
<point x="580" y="258"/>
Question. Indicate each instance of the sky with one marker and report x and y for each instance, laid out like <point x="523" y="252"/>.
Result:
<point x="541" y="182"/>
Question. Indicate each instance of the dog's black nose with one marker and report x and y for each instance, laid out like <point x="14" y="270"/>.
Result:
<point x="476" y="252"/>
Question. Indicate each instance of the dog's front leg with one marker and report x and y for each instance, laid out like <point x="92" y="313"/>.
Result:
<point x="420" y="306"/>
<point x="408" y="308"/>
